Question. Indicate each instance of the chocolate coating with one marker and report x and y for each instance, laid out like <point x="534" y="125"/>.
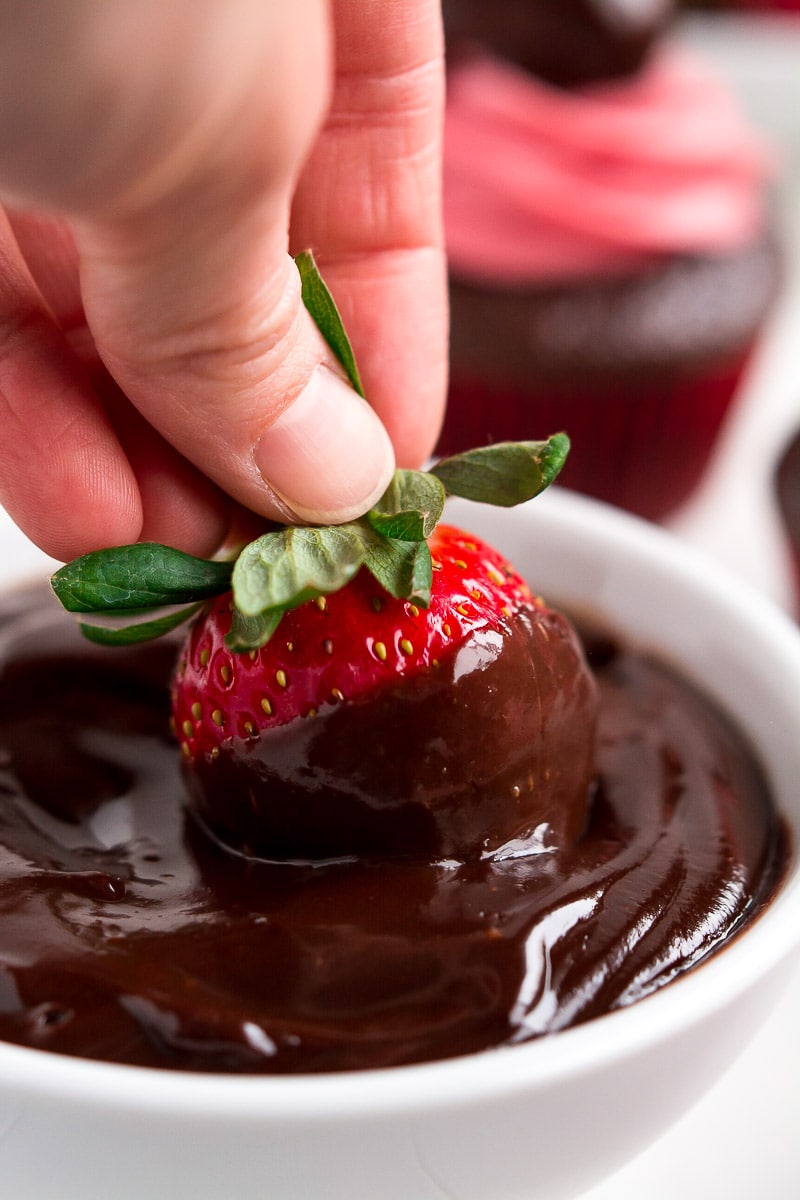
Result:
<point x="565" y="42"/>
<point x="495" y="744"/>
<point x="127" y="935"/>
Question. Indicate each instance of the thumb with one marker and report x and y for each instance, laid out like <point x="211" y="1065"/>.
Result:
<point x="179" y="193"/>
<point x="207" y="334"/>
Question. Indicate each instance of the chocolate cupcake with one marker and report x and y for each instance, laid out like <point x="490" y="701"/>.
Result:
<point x="611" y="260"/>
<point x="566" y="42"/>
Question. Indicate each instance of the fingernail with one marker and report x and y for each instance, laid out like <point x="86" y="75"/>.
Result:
<point x="328" y="456"/>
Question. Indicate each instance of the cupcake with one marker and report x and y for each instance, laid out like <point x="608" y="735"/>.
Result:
<point x="611" y="259"/>
<point x="563" y="42"/>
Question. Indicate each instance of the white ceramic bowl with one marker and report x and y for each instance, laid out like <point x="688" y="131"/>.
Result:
<point x="543" y="1120"/>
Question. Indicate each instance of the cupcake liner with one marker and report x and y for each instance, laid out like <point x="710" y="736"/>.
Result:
<point x="641" y="444"/>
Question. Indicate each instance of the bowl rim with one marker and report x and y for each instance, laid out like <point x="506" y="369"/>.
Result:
<point x="502" y="1072"/>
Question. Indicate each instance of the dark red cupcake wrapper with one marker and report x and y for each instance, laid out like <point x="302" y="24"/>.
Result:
<point x="640" y="445"/>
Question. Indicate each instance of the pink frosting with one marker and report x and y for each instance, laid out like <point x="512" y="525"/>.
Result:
<point x="543" y="184"/>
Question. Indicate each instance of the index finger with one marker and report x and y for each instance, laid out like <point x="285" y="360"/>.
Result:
<point x="369" y="204"/>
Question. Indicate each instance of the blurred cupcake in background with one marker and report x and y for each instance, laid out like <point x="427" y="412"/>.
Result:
<point x="765" y="6"/>
<point x="611" y="258"/>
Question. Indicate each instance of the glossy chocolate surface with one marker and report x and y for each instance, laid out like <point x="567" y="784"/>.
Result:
<point x="127" y="935"/>
<point x="495" y="744"/>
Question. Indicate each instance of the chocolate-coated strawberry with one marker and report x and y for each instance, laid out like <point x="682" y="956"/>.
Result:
<point x="368" y="724"/>
<point x="342" y="646"/>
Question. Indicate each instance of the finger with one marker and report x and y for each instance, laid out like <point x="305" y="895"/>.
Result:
<point x="379" y="236"/>
<point x="63" y="476"/>
<point x="180" y="505"/>
<point x="48" y="247"/>
<point x="181" y="224"/>
<point x="247" y="391"/>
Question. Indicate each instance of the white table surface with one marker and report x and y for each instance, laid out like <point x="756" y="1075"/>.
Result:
<point x="742" y="1140"/>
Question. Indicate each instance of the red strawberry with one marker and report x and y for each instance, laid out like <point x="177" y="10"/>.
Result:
<point x="368" y="724"/>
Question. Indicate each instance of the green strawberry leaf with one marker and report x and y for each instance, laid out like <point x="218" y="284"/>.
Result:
<point x="138" y="632"/>
<point x="145" y="575"/>
<point x="288" y="566"/>
<point x="322" y="307"/>
<point x="504" y="474"/>
<point x="250" y="633"/>
<point x="410" y="508"/>
<point x="403" y="568"/>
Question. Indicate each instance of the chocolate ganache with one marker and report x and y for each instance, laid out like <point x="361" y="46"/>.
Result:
<point x="128" y="935"/>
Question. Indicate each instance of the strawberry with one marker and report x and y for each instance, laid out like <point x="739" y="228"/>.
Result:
<point x="389" y="686"/>
<point x="337" y="647"/>
<point x="368" y="724"/>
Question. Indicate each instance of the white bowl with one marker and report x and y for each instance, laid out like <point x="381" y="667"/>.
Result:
<point x="543" y="1120"/>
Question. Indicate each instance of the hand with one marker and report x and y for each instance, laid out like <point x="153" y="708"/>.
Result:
<point x="159" y="165"/>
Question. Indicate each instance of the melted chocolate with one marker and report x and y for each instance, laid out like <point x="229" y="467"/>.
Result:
<point x="127" y="935"/>
<point x="495" y="744"/>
